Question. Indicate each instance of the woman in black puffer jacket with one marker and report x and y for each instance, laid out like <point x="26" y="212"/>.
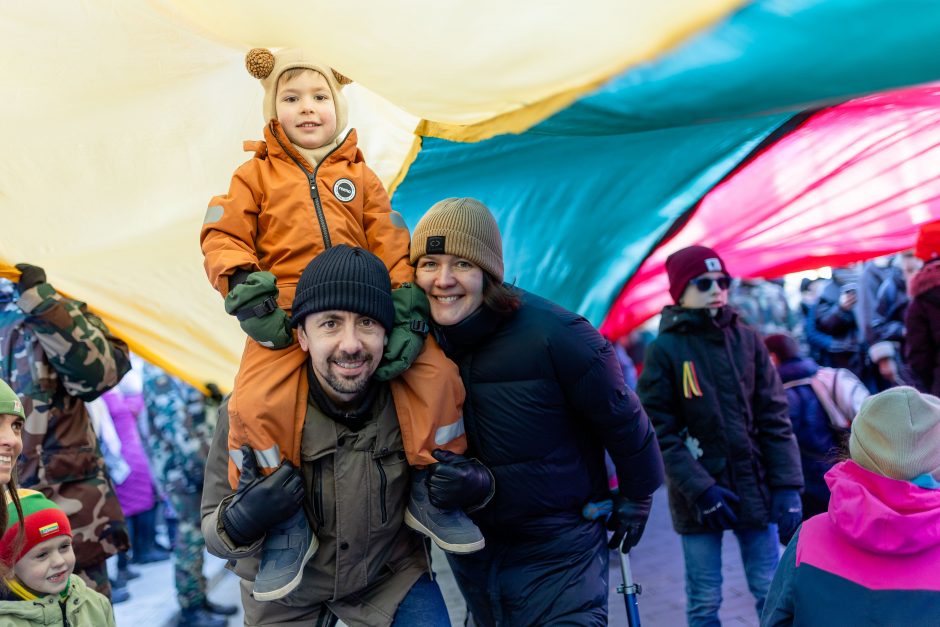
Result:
<point x="545" y="397"/>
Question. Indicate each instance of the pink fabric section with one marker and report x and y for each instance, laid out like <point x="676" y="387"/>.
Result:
<point x="855" y="181"/>
<point x="881" y="533"/>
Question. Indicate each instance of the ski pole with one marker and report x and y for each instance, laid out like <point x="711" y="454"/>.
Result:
<point x="628" y="588"/>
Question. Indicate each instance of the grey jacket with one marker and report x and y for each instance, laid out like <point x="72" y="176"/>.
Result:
<point x="367" y="560"/>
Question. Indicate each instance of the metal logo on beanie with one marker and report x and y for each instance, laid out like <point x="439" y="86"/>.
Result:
<point x="684" y="265"/>
<point x="343" y="278"/>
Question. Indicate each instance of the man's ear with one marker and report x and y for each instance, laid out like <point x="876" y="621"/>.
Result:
<point x="302" y="338"/>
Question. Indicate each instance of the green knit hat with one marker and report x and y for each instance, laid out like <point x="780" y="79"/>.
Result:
<point x="42" y="520"/>
<point x="897" y="434"/>
<point x="462" y="227"/>
<point x="10" y="403"/>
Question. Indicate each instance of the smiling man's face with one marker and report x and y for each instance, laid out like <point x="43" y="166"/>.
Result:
<point x="345" y="348"/>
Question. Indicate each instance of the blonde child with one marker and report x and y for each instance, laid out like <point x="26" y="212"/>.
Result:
<point x="42" y="590"/>
<point x="306" y="189"/>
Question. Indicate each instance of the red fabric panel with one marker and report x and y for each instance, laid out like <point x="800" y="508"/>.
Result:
<point x="854" y="182"/>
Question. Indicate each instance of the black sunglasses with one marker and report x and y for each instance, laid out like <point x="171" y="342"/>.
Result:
<point x="704" y="283"/>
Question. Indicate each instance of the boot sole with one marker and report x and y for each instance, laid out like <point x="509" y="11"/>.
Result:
<point x="287" y="588"/>
<point x="460" y="549"/>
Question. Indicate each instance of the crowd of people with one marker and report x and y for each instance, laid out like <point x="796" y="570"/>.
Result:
<point x="395" y="391"/>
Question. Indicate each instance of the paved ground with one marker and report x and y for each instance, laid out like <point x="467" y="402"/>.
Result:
<point x="657" y="566"/>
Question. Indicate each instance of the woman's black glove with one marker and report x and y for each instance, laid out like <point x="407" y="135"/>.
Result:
<point x="628" y="520"/>
<point x="261" y="502"/>
<point x="459" y="482"/>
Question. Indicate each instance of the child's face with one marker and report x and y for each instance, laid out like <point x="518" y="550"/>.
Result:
<point x="47" y="566"/>
<point x="306" y="110"/>
<point x="713" y="297"/>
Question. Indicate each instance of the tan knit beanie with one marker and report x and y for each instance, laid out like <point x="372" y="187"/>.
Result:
<point x="897" y="434"/>
<point x="463" y="227"/>
<point x="268" y="66"/>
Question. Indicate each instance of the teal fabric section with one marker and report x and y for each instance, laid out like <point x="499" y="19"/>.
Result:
<point x="578" y="214"/>
<point x="584" y="196"/>
<point x="771" y="55"/>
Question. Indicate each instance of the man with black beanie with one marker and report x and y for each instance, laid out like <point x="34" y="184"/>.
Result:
<point x="363" y="565"/>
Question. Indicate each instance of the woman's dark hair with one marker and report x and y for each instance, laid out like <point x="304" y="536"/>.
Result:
<point x="499" y="296"/>
<point x="13" y="496"/>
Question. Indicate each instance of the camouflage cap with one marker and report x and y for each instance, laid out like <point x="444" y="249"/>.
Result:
<point x="10" y="403"/>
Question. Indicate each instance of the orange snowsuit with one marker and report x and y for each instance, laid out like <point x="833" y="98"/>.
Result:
<point x="279" y="214"/>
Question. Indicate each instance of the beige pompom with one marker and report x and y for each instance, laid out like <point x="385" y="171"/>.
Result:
<point x="260" y="62"/>
<point x="342" y="80"/>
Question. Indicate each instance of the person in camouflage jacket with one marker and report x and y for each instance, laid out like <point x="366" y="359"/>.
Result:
<point x="56" y="355"/>
<point x="181" y="429"/>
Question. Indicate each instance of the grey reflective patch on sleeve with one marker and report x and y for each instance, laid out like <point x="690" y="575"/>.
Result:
<point x="213" y="214"/>
<point x="397" y="220"/>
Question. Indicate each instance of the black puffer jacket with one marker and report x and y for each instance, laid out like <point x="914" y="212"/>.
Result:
<point x="545" y="396"/>
<point x="720" y="412"/>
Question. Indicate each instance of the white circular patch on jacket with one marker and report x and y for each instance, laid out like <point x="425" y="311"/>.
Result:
<point x="344" y="190"/>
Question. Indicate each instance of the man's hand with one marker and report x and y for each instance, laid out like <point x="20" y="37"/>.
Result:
<point x="261" y="502"/>
<point x="30" y="276"/>
<point x="254" y="303"/>
<point x="627" y="521"/>
<point x="787" y="511"/>
<point x="715" y="506"/>
<point x="458" y="482"/>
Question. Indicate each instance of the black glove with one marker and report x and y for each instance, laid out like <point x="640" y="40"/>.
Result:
<point x="627" y="521"/>
<point x="214" y="393"/>
<point x="30" y="276"/>
<point x="261" y="502"/>
<point x="715" y="506"/>
<point x="786" y="510"/>
<point x="458" y="482"/>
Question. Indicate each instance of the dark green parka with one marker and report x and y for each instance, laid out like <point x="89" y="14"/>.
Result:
<point x="720" y="414"/>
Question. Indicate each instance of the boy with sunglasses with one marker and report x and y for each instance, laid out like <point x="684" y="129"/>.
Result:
<point x="722" y="421"/>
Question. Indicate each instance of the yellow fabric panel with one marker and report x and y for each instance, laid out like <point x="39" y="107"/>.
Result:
<point x="461" y="63"/>
<point x="122" y="119"/>
<point x="120" y="125"/>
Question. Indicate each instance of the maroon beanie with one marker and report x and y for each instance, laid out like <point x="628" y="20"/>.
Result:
<point x="684" y="265"/>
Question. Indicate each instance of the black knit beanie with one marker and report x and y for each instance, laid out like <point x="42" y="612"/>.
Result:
<point x="343" y="278"/>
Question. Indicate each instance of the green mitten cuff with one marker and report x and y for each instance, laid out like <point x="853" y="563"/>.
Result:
<point x="406" y="339"/>
<point x="254" y="303"/>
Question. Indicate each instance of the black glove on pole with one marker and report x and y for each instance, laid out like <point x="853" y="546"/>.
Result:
<point x="458" y="482"/>
<point x="628" y="520"/>
<point x="261" y="502"/>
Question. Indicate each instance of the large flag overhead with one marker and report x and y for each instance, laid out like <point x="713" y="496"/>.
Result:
<point x="592" y="132"/>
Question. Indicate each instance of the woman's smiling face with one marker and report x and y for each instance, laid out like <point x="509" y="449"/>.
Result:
<point x="453" y="284"/>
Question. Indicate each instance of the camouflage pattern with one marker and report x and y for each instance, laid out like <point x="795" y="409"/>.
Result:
<point x="181" y="424"/>
<point x="56" y="355"/>
<point x="189" y="550"/>
<point x="96" y="578"/>
<point x="180" y="433"/>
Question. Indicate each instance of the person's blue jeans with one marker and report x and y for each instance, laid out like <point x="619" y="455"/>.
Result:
<point x="423" y="606"/>
<point x="760" y="552"/>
